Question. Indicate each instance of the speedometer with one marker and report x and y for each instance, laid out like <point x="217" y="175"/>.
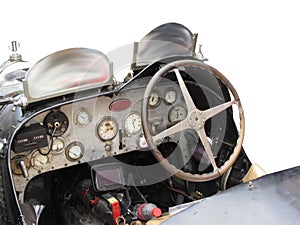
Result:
<point x="133" y="123"/>
<point x="107" y="129"/>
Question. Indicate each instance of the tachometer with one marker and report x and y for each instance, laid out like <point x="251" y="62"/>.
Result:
<point x="133" y="123"/>
<point x="107" y="129"/>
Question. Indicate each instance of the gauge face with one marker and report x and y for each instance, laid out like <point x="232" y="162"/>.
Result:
<point x="82" y="117"/>
<point x="39" y="161"/>
<point x="107" y="129"/>
<point x="133" y="123"/>
<point x="170" y="96"/>
<point x="58" y="146"/>
<point x="74" y="151"/>
<point x="177" y="113"/>
<point x="154" y="99"/>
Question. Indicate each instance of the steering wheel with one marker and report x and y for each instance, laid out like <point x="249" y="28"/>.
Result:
<point x="195" y="120"/>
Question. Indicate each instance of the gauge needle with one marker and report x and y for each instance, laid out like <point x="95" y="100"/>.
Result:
<point x="178" y="116"/>
<point x="133" y="123"/>
<point x="40" y="161"/>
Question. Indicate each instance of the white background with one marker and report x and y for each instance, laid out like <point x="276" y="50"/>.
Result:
<point x="255" y="44"/>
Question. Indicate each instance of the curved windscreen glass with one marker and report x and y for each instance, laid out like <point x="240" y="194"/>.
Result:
<point x="67" y="71"/>
<point x="171" y="39"/>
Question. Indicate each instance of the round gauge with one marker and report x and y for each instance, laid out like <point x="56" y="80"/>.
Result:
<point x="57" y="123"/>
<point x="170" y="96"/>
<point x="39" y="161"/>
<point x="133" y="123"/>
<point x="82" y="117"/>
<point x="177" y="113"/>
<point x="154" y="99"/>
<point x="58" y="146"/>
<point x="107" y="129"/>
<point x="74" y="151"/>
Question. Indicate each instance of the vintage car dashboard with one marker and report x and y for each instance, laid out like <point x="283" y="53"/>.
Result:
<point x="80" y="147"/>
<point x="91" y="129"/>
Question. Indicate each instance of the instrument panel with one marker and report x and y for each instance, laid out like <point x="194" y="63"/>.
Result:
<point x="96" y="128"/>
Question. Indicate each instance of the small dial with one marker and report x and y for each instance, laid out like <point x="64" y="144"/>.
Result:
<point x="39" y="161"/>
<point x="154" y="99"/>
<point x="82" y="117"/>
<point x="170" y="96"/>
<point x="133" y="123"/>
<point x="74" y="151"/>
<point x="58" y="145"/>
<point x="177" y="113"/>
<point x="107" y="129"/>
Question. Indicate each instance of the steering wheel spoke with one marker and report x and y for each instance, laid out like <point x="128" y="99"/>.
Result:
<point x="207" y="147"/>
<point x="172" y="130"/>
<point x="186" y="95"/>
<point x="217" y="109"/>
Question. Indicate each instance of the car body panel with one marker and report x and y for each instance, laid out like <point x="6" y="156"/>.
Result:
<point x="272" y="199"/>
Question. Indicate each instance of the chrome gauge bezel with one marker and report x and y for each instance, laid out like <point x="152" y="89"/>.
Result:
<point x="37" y="159"/>
<point x="70" y="154"/>
<point x="105" y="122"/>
<point x="82" y="117"/>
<point x="134" y="119"/>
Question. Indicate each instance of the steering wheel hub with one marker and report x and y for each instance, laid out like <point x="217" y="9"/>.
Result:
<point x="196" y="119"/>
